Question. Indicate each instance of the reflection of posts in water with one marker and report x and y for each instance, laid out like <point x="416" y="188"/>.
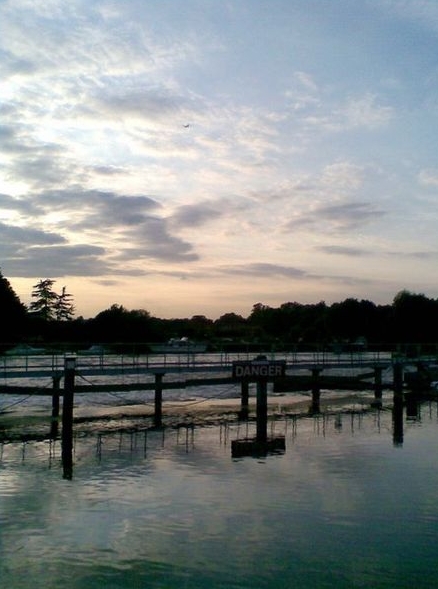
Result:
<point x="412" y="408"/>
<point x="378" y="389"/>
<point x="67" y="416"/>
<point x="397" y="421"/>
<point x="316" y="391"/>
<point x="397" y="412"/>
<point x="158" y="399"/>
<point x="262" y="411"/>
<point x="244" y="407"/>
<point x="55" y="407"/>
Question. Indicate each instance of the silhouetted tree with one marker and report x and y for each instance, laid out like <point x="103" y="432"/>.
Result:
<point x="415" y="318"/>
<point x="12" y="313"/>
<point x="63" y="306"/>
<point x="230" y="325"/>
<point x="117" y="324"/>
<point x="44" y="305"/>
<point x="48" y="305"/>
<point x="351" y="319"/>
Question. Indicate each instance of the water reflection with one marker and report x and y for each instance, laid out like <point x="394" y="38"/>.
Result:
<point x="245" y="434"/>
<point x="171" y="507"/>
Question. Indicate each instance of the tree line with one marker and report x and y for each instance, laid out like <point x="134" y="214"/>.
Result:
<point x="411" y="319"/>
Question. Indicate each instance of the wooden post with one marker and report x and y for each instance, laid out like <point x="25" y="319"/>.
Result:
<point x="397" y="421"/>
<point x="378" y="382"/>
<point x="316" y="391"/>
<point x="67" y="416"/>
<point x="262" y="411"/>
<point x="244" y="407"/>
<point x="398" y="379"/>
<point x="158" y="399"/>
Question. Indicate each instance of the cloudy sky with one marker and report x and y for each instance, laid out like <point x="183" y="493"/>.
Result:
<point x="200" y="156"/>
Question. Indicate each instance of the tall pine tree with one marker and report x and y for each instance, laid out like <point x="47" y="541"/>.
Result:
<point x="44" y="305"/>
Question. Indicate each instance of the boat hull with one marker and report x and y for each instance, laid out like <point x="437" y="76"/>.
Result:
<point x="178" y="349"/>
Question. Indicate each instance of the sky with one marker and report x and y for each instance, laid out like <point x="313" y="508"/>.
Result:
<point x="196" y="157"/>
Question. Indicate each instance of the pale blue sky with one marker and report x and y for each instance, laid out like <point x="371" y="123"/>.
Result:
<point x="308" y="171"/>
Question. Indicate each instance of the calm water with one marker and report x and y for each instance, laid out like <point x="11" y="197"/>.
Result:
<point x="348" y="504"/>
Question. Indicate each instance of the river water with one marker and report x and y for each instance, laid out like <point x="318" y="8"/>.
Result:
<point x="351" y="502"/>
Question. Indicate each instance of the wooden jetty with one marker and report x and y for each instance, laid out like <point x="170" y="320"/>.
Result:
<point x="288" y="374"/>
<point x="24" y="375"/>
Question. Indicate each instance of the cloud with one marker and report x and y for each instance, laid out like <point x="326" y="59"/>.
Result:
<point x="340" y="250"/>
<point x="24" y="236"/>
<point x="92" y="207"/>
<point x="198" y="214"/>
<point x="149" y="103"/>
<point x="303" y="93"/>
<point x="156" y="242"/>
<point x="57" y="261"/>
<point x="267" y="271"/>
<point x="355" y="252"/>
<point x="264" y="270"/>
<point x="366" y="112"/>
<point x="362" y="112"/>
<point x="114" y="228"/>
<point x="428" y="177"/>
<point x="342" y="176"/>
<point x="344" y="216"/>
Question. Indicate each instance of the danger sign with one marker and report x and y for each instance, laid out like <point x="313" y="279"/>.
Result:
<point x="259" y="369"/>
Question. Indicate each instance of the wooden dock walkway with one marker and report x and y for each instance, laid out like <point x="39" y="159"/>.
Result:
<point x="39" y="366"/>
<point x="25" y="375"/>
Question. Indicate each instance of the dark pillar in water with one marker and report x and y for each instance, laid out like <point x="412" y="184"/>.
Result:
<point x="397" y="421"/>
<point x="378" y="389"/>
<point x="158" y="399"/>
<point x="316" y="391"/>
<point x="67" y="416"/>
<point x="412" y="407"/>
<point x="398" y="379"/>
<point x="397" y="411"/>
<point x="244" y="407"/>
<point x="262" y="411"/>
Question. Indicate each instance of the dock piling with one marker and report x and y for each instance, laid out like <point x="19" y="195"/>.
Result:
<point x="398" y="379"/>
<point x="378" y="388"/>
<point x="244" y="407"/>
<point x="316" y="391"/>
<point x="158" y="414"/>
<point x="67" y="416"/>
<point x="262" y="411"/>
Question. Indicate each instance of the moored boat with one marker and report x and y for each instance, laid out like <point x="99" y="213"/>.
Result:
<point x="24" y="350"/>
<point x="178" y="346"/>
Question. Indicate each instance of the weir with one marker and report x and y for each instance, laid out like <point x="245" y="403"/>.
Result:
<point x="284" y="376"/>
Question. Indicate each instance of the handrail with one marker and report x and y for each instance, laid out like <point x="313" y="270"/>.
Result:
<point x="29" y="365"/>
